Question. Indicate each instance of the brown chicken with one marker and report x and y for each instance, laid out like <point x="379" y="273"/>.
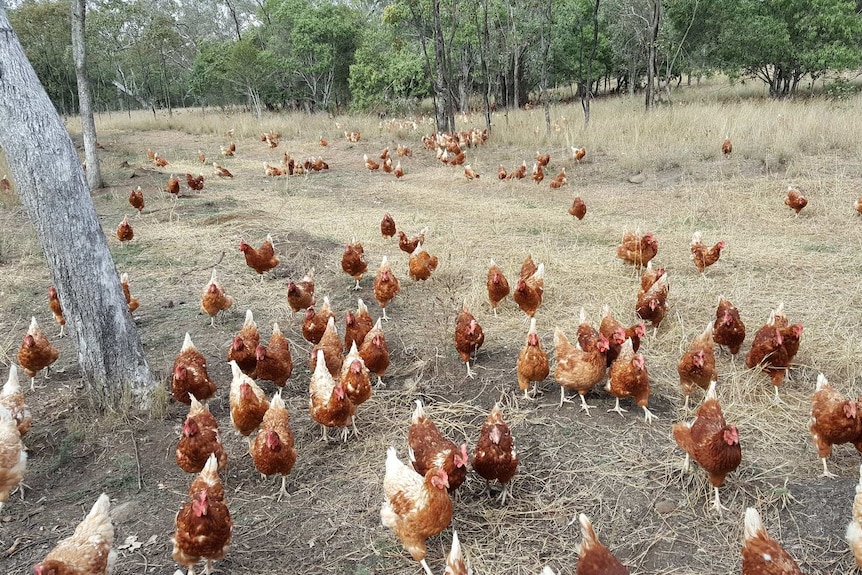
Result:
<point x="5" y="185"/>
<point x="729" y="330"/>
<point x="702" y="255"/>
<point x="578" y="208"/>
<point x="398" y="171"/>
<point x="13" y="456"/>
<point x="125" y="232"/>
<point x="242" y="349"/>
<point x="528" y="292"/>
<point x="543" y="159"/>
<point x="369" y="163"/>
<point x="131" y="302"/>
<point x="221" y="171"/>
<point x="495" y="456"/>
<point x="300" y="296"/>
<point x="501" y="172"/>
<point x="528" y="268"/>
<point x="136" y="199"/>
<point x="538" y="173"/>
<point x="559" y="180"/>
<point x="355" y="378"/>
<point x="387" y="165"/>
<point x="199" y="439"/>
<point x="795" y="200"/>
<point x="834" y="420"/>
<point x="202" y="158"/>
<point x="387" y="226"/>
<point x="190" y="375"/>
<point x="160" y="161"/>
<point x="519" y="173"/>
<point x="649" y="276"/>
<point x="711" y="442"/>
<point x="408" y="245"/>
<point x="36" y="353"/>
<point x="696" y="367"/>
<point x="386" y="285"/>
<point x="629" y="378"/>
<point x="248" y="403"/>
<point x="593" y="557"/>
<point x="314" y="324"/>
<point x="637" y="250"/>
<point x="12" y="399"/>
<point x="403" y="151"/>
<point x="498" y="286"/>
<point x="203" y="531"/>
<point x="228" y="150"/>
<point x="195" y="182"/>
<point x="588" y="336"/>
<point x="455" y="560"/>
<point x="774" y="347"/>
<point x="853" y="535"/>
<point x="357" y="325"/>
<point x="761" y="554"/>
<point x="469" y="172"/>
<point x="57" y="310"/>
<point x="469" y="337"/>
<point x="578" y="369"/>
<point x="532" y="362"/>
<point x="578" y="153"/>
<point x="652" y="304"/>
<point x="328" y="402"/>
<point x="214" y="300"/>
<point x="857" y="205"/>
<point x="274" y="362"/>
<point x="353" y="262"/>
<point x="208" y="480"/>
<point x="333" y="352"/>
<point x="88" y="550"/>
<point x="422" y="264"/>
<point x="429" y="449"/>
<point x="262" y="259"/>
<point x="173" y="186"/>
<point x="375" y="353"/>
<point x="414" y="507"/>
<point x="617" y="334"/>
<point x="272" y="450"/>
<point x="727" y="147"/>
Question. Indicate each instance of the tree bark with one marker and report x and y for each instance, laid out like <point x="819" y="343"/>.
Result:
<point x="85" y="103"/>
<point x="652" y="53"/>
<point x="52" y="188"/>
<point x="588" y="96"/>
<point x="546" y="49"/>
<point x="446" y="119"/>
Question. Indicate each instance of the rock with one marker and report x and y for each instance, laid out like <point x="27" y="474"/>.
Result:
<point x="665" y="507"/>
<point x="638" y="178"/>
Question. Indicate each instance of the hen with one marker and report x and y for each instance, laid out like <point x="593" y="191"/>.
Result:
<point x="729" y="330"/>
<point x="300" y="296"/>
<point x="262" y="259"/>
<point x="469" y="337"/>
<point x="214" y="300"/>
<point x="328" y="402"/>
<point x="532" y="362"/>
<point x="355" y="378"/>
<point x="13" y="456"/>
<point x="469" y="172"/>
<point x="528" y="292"/>
<point x="124" y="231"/>
<point x="774" y="347"/>
<point x="538" y="173"/>
<point x="578" y="208"/>
<point x="242" y="349"/>
<point x="357" y="325"/>
<point x="131" y="302"/>
<point x="422" y="264"/>
<point x="5" y="185"/>
<point x="36" y="353"/>
<point x="57" y="309"/>
<point x="795" y="200"/>
<point x="190" y="374"/>
<point x="696" y="367"/>
<point x="495" y="456"/>
<point x="12" y="399"/>
<point x="248" y="403"/>
<point x="408" y="245"/>
<point x="414" y="507"/>
<point x="712" y="443"/>
<point x="629" y="378"/>
<point x="761" y="554"/>
<point x="617" y="334"/>
<point x="199" y="439"/>
<point x="455" y="561"/>
<point x="593" y="557"/>
<point x="353" y="262"/>
<point x="637" y="250"/>
<point x="578" y="369"/>
<point x="498" y="286"/>
<point x="853" y="534"/>
<point x="136" y="199"/>
<point x="398" y="171"/>
<point x="578" y="153"/>
<point x="369" y="163"/>
<point x="88" y="550"/>
<point x="195" y="182"/>
<point x="173" y="186"/>
<point x="375" y="353"/>
<point x="428" y="449"/>
<point x="387" y="226"/>
<point x="274" y="362"/>
<point x="702" y="255"/>
<point x="203" y="531"/>
<point x="330" y="345"/>
<point x="160" y="161"/>
<point x="202" y="158"/>
<point x="834" y="420"/>
<point x="221" y="171"/>
<point x="386" y="286"/>
<point x="272" y="449"/>
<point x="315" y="322"/>
<point x="652" y="304"/>
<point x="726" y="147"/>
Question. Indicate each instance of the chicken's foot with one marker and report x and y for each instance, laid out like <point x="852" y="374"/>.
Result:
<point x="530" y="393"/>
<point x="470" y="373"/>
<point x="618" y="409"/>
<point x="212" y="321"/>
<point x="283" y="491"/>
<point x="345" y="433"/>
<point x="32" y="384"/>
<point x="503" y="495"/>
<point x="585" y="407"/>
<point x="826" y="472"/>
<point x="380" y="383"/>
<point x="649" y="415"/>
<point x="62" y="331"/>
<point x="776" y="400"/>
<point x="426" y="568"/>
<point x="209" y="567"/>
<point x="353" y="423"/>
<point x="357" y="286"/>
<point x="495" y="312"/>
<point x="716" y="504"/>
<point x="384" y="315"/>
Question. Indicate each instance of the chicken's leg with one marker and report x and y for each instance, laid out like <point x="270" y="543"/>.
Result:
<point x="649" y="415"/>
<point x="495" y="312"/>
<point x="776" y="399"/>
<point x="212" y="321"/>
<point x="33" y="383"/>
<point x="261" y="279"/>
<point x="618" y="409"/>
<point x="426" y="568"/>
<point x="584" y="406"/>
<point x="685" y="405"/>
<point x="356" y="287"/>
<point x="530" y="396"/>
<point x="191" y="570"/>
<point x="209" y="564"/>
<point x="345" y="433"/>
<point x="504" y="494"/>
<point x="716" y="504"/>
<point x="384" y="315"/>
<point x="826" y="472"/>
<point x="563" y="398"/>
<point x="470" y="373"/>
<point x="353" y="422"/>
<point x="325" y="435"/>
<point x="62" y="331"/>
<point x="380" y="383"/>
<point x="686" y="463"/>
<point x="283" y="491"/>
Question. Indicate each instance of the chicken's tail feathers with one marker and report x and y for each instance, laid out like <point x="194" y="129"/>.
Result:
<point x="753" y="524"/>
<point x="696" y="238"/>
<point x="419" y="412"/>
<point x="582" y="316"/>
<point x="588" y="534"/>
<point x="821" y="382"/>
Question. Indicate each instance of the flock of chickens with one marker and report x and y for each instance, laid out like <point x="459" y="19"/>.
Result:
<point x="417" y="496"/>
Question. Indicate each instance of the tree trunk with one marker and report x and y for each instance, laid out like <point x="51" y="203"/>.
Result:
<point x="85" y="103"/>
<point x="445" y="120"/>
<point x="516" y="47"/>
<point x="484" y="40"/>
<point x="652" y="53"/>
<point x="52" y="188"/>
<point x="546" y="49"/>
<point x="585" y="100"/>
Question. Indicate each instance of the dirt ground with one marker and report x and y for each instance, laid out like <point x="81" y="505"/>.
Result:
<point x="621" y="472"/>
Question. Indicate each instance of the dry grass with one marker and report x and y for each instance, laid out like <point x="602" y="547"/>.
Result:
<point x="614" y="469"/>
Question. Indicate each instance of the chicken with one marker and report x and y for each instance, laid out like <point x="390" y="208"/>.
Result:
<point x="588" y="336"/>
<point x="387" y="165"/>
<point x="5" y="185"/>
<point x="834" y="420"/>
<point x="559" y="180"/>
<point x="470" y="173"/>
<point x="593" y="557"/>
<point x="385" y="153"/>
<point x="538" y="173"/>
<point x="542" y="160"/>
<point x="328" y="402"/>
<point x="300" y="296"/>
<point x="289" y="164"/>
<point x="387" y="226"/>
<point x="761" y="554"/>
<point x="208" y="480"/>
<point x="12" y="399"/>
<point x="495" y="456"/>
<point x="386" y="285"/>
<point x="314" y="324"/>
<point x="214" y="300"/>
<point x="704" y="256"/>
<point x="652" y="304"/>
<point x="274" y="362"/>
<point x="355" y="378"/>
<point x="711" y="442"/>
<point x="88" y="550"/>
<point x="498" y="286"/>
<point x="173" y="186"/>
<point x="375" y="353"/>
<point x="136" y="199"/>
<point x="262" y="259"/>
<point x="202" y="157"/>
<point x="229" y="150"/>
<point x="151" y="155"/>
<point x="578" y="153"/>
<point x="528" y="268"/>
<point x="853" y="534"/>
<point x="455" y="560"/>
<point x="637" y="250"/>
<point x="369" y="163"/>
<point x="13" y="456"/>
<point x="36" y="353"/>
<point x="458" y="160"/>
<point x="221" y="171"/>
<point x="199" y="439"/>
<point x="532" y="362"/>
<point x="56" y="309"/>
<point x="323" y="141"/>
<point x="528" y="292"/>
<point x="578" y="369"/>
<point x="774" y="347"/>
<point x="408" y="245"/>
<point x="629" y="378"/>
<point x="159" y="161"/>
<point x="333" y="352"/>
<point x="429" y="449"/>
<point x="203" y="531"/>
<point x="729" y="330"/>
<point x="469" y="337"/>
<point x="195" y="182"/>
<point x="248" y="403"/>
<point x="414" y="507"/>
<point x="398" y="171"/>
<point x="578" y="208"/>
<point x="422" y="264"/>
<point x="857" y="205"/>
<point x="131" y="302"/>
<point x="696" y="367"/>
<point x="519" y="174"/>
<point x="272" y="450"/>
<point x="650" y="276"/>
<point x="617" y="334"/>
<point x="501" y="172"/>
<point x="125" y="232"/>
<point x="795" y="200"/>
<point x="190" y="375"/>
<point x="403" y="151"/>
<point x="242" y="349"/>
<point x="727" y="147"/>
<point x="353" y="262"/>
<point x="357" y="325"/>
